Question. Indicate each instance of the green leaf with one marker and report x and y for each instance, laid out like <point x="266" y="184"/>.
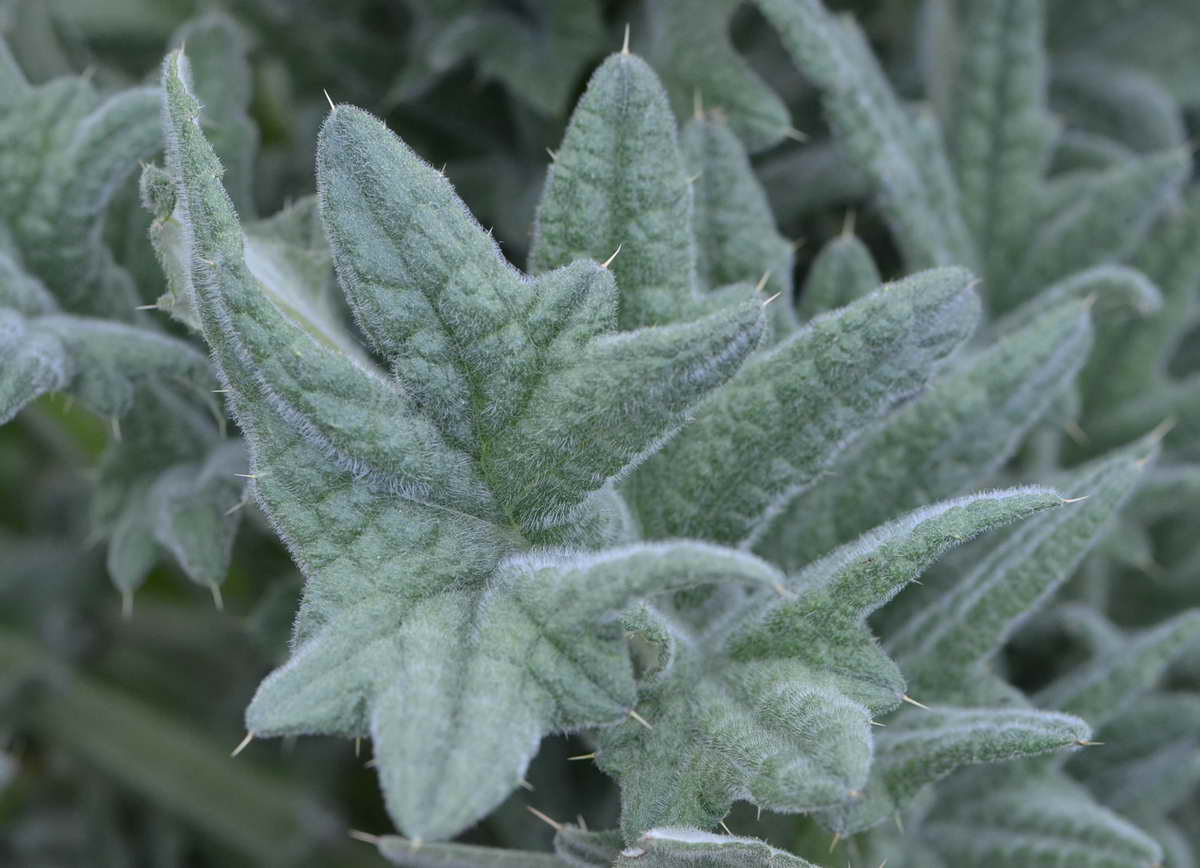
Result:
<point x="683" y="848"/>
<point x="941" y="648"/>
<point x="770" y="703"/>
<point x="918" y="196"/>
<point x="98" y="361"/>
<point x="735" y="236"/>
<point x="218" y="48"/>
<point x="1120" y="103"/>
<point x="1000" y="132"/>
<point x="1117" y="290"/>
<point x="619" y="181"/>
<point x="1103" y="688"/>
<point x="414" y="854"/>
<point x="690" y="46"/>
<point x="518" y="373"/>
<point x="1103" y="224"/>
<point x="950" y="439"/>
<point x="843" y="272"/>
<point x="785" y="418"/>
<point x="921" y="747"/>
<point x="1040" y="822"/>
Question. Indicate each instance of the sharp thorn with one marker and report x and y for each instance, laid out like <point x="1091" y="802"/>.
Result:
<point x="241" y="747"/>
<point x="625" y="44"/>
<point x="798" y="243"/>
<point x="1075" y="499"/>
<point x="795" y="135"/>
<point x="762" y="281"/>
<point x="906" y="698"/>
<point x="606" y="263"/>
<point x="365" y="837"/>
<point x="726" y="828"/>
<point x="247" y="475"/>
<point x="582" y="756"/>
<point x="126" y="604"/>
<point x="580" y="822"/>
<point x="848" y="223"/>
<point x="116" y="428"/>
<point x="332" y="107"/>
<point x="633" y="713"/>
<point x="1163" y="428"/>
<point x="837" y="837"/>
<point x="146" y="307"/>
<point x="1083" y="742"/>
<point x="877" y="723"/>
<point x="771" y="299"/>
<point x="694" y="178"/>
<point x="220" y="391"/>
<point x="553" y="154"/>
<point x="525" y="785"/>
<point x="218" y="601"/>
<point x="553" y="824"/>
<point x="371" y="763"/>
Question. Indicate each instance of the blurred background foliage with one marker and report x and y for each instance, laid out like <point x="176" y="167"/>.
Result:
<point x="115" y="731"/>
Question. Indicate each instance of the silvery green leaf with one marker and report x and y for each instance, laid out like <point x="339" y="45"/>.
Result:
<point x="941" y="648"/>
<point x="1118" y="291"/>
<point x="619" y="181"/>
<point x="949" y="439"/>
<point x="1103" y="224"/>
<point x="673" y="847"/>
<point x="1040" y="821"/>
<point x="843" y="272"/>
<point x="1000" y="132"/>
<point x="793" y="409"/>
<point x="691" y="48"/>
<point x="920" y="747"/>
<point x="736" y="238"/>
<point x="918" y="197"/>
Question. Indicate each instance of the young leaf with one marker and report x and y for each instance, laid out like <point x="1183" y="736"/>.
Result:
<point x="770" y="702"/>
<point x="1048" y="821"/>
<point x="949" y="439"/>
<point x="1000" y="134"/>
<point x="921" y="747"/>
<point x="789" y="413"/>
<point x="619" y="181"/>
<point x="918" y="195"/>
<point x="1104" y="224"/>
<point x="691" y="48"/>
<point x="407" y="508"/>
<point x="945" y="643"/>
<point x="736" y="238"/>
<point x="843" y="272"/>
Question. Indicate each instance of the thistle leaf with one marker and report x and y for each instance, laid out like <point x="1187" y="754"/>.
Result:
<point x="728" y="717"/>
<point x="1103" y="224"/>
<point x="736" y="238"/>
<point x="98" y="361"/>
<point x="1100" y="690"/>
<point x="747" y="455"/>
<point x="1037" y="822"/>
<point x="921" y="747"/>
<point x="691" y="48"/>
<point x="843" y="272"/>
<point x="1117" y="289"/>
<point x="417" y="854"/>
<point x="945" y="643"/>
<point x="918" y="196"/>
<point x="1118" y="102"/>
<point x="409" y="508"/>
<point x="619" y="181"/>
<point x="949" y="439"/>
<point x="1000" y="132"/>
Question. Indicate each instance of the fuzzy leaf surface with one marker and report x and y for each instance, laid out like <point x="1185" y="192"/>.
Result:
<point x="771" y="701"/>
<point x="419" y="507"/>
<point x="949" y="439"/>
<point x="920" y="747"/>
<point x="918" y="194"/>
<point x="945" y="643"/>
<point x="788" y="414"/>
<point x="843" y="272"/>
